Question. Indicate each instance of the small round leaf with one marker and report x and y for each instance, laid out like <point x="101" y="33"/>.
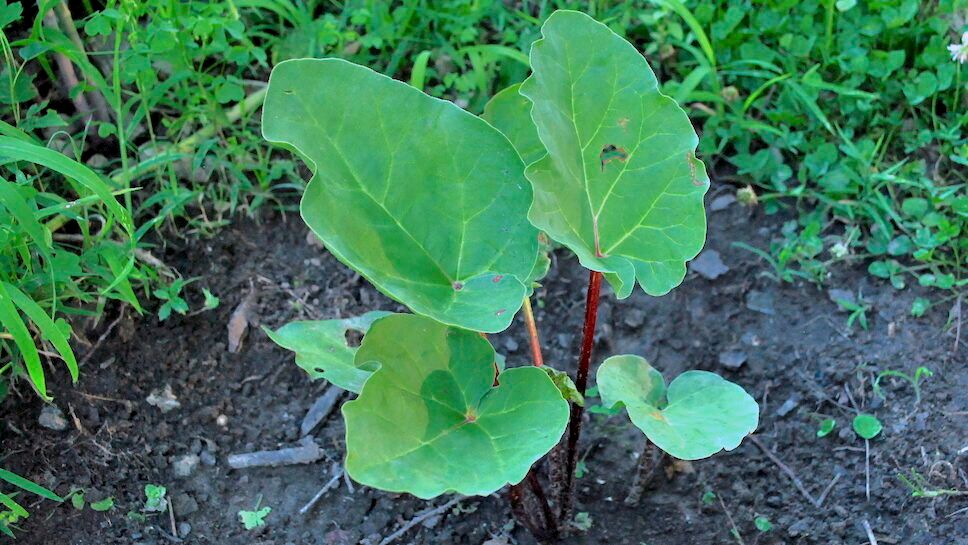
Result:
<point x="867" y="425"/>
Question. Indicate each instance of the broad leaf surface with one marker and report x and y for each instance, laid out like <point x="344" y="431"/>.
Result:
<point x="625" y="377"/>
<point x="430" y="421"/>
<point x="510" y="112"/>
<point x="621" y="185"/>
<point x="425" y="200"/>
<point x="702" y="413"/>
<point x="322" y="351"/>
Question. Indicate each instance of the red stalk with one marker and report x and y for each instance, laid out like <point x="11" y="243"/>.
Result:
<point x="581" y="382"/>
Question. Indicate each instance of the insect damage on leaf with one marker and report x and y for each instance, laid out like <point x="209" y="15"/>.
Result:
<point x="595" y="102"/>
<point x="611" y="153"/>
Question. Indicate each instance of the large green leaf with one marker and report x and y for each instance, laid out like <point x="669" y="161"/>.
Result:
<point x="425" y="200"/>
<point x="621" y="185"/>
<point x="702" y="413"/>
<point x="322" y="351"/>
<point x="430" y="420"/>
<point x="510" y="112"/>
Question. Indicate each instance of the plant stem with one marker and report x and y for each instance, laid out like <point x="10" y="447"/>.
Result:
<point x="581" y="382"/>
<point x="648" y="463"/>
<point x="533" y="339"/>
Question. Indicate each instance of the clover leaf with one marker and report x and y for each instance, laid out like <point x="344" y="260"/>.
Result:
<point x="431" y="419"/>
<point x="322" y="351"/>
<point x="697" y="416"/>
<point x="425" y="200"/>
<point x="621" y="185"/>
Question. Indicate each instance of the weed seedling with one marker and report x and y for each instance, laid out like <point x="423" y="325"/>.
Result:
<point x="256" y="518"/>
<point x="173" y="301"/>
<point x="155" y="500"/>
<point x="921" y="489"/>
<point x="762" y="523"/>
<point x="450" y="215"/>
<point x="919" y="375"/>
<point x="826" y="426"/>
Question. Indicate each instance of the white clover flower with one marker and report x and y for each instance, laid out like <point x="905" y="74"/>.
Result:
<point x="959" y="52"/>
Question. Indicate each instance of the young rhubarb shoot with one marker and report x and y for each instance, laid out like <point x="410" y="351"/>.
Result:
<point x="697" y="416"/>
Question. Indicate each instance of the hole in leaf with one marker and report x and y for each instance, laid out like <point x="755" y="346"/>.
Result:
<point x="500" y="312"/>
<point x="353" y="338"/>
<point x="458" y="286"/>
<point x="611" y="153"/>
<point x="497" y="278"/>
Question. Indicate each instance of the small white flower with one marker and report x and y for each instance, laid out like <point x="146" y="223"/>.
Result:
<point x="959" y="52"/>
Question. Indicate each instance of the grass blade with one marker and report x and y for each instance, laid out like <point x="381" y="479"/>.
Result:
<point x="25" y="151"/>
<point x="20" y="209"/>
<point x="419" y="71"/>
<point x="694" y="25"/>
<point x="28" y="485"/>
<point x="48" y="329"/>
<point x="10" y="319"/>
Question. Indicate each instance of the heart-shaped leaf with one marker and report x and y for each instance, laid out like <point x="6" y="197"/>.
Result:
<point x="425" y="200"/>
<point x="510" y="112"/>
<point x="624" y="377"/>
<point x="621" y="185"/>
<point x="430" y="420"/>
<point x="322" y="351"/>
<point x="701" y="415"/>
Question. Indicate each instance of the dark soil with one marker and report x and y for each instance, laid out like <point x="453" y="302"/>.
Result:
<point x="801" y="362"/>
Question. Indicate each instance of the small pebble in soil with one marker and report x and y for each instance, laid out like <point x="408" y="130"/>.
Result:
<point x="52" y="418"/>
<point x="184" y="504"/>
<point x="708" y="265"/>
<point x="751" y="339"/>
<point x="184" y="529"/>
<point x="836" y="295"/>
<point x="634" y="317"/>
<point x="761" y="302"/>
<point x="799" y="528"/>
<point x="207" y="458"/>
<point x="732" y="359"/>
<point x="788" y="405"/>
<point x="721" y="202"/>
<point x="511" y="345"/>
<point x="163" y="398"/>
<point x="185" y="465"/>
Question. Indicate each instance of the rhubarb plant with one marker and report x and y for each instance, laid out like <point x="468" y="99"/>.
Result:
<point x="452" y="215"/>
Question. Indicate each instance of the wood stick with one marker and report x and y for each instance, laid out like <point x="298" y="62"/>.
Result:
<point x="785" y="469"/>
<point x="418" y="519"/>
<point x="307" y="452"/>
<point x="337" y="472"/>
